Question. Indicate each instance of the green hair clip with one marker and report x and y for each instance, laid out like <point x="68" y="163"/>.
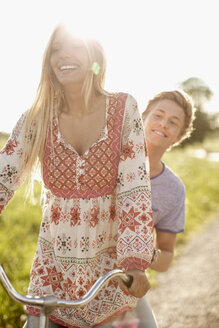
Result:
<point x="95" y="68"/>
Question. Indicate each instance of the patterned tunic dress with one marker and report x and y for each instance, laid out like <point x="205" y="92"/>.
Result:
<point x="96" y="213"/>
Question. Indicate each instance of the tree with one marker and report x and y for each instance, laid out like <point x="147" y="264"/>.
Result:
<point x="200" y="93"/>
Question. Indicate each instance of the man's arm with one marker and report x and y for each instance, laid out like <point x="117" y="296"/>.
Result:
<point x="165" y="243"/>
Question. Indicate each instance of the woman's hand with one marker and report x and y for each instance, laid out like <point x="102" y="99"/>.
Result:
<point x="140" y="284"/>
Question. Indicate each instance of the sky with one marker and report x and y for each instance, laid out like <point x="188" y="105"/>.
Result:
<point x="150" y="45"/>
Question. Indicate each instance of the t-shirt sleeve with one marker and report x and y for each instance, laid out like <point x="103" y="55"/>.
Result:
<point x="174" y="220"/>
<point x="134" y="212"/>
<point x="11" y="158"/>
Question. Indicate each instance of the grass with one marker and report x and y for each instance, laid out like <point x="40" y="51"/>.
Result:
<point x="200" y="177"/>
<point x="20" y="221"/>
<point x="19" y="227"/>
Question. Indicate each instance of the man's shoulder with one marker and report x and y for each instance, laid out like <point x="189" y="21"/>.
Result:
<point x="169" y="181"/>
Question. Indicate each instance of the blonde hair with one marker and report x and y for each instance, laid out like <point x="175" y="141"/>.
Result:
<point x="50" y="98"/>
<point x="184" y="101"/>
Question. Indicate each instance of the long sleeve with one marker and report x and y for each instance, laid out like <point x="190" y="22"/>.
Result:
<point x="135" y="231"/>
<point x="11" y="172"/>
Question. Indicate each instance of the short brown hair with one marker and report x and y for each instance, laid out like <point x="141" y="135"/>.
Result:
<point x="184" y="101"/>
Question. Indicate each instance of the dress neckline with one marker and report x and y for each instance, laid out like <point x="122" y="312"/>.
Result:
<point x="102" y="136"/>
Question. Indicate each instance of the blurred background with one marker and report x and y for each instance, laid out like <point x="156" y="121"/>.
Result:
<point x="150" y="46"/>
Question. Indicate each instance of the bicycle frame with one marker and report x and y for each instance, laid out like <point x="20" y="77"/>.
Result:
<point x="48" y="303"/>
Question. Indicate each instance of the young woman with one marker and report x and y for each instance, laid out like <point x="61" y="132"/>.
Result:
<point x="168" y="120"/>
<point x="96" y="190"/>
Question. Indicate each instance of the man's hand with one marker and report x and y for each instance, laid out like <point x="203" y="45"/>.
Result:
<point x="140" y="284"/>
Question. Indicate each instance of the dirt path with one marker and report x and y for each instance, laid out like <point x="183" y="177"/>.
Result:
<point x="188" y="293"/>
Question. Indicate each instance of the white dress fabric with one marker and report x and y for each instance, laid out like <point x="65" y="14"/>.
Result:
<point x="96" y="213"/>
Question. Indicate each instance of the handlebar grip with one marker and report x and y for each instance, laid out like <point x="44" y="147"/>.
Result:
<point x="129" y="281"/>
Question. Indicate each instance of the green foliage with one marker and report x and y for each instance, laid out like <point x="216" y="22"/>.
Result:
<point x="200" y="177"/>
<point x="202" y="127"/>
<point x="3" y="139"/>
<point x="198" y="90"/>
<point x="19" y="227"/>
<point x="203" y="123"/>
<point x="211" y="143"/>
<point x="20" y="222"/>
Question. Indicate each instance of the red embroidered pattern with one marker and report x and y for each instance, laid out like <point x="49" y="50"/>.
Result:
<point x="99" y="166"/>
<point x="127" y="151"/>
<point x="10" y="147"/>
<point x="80" y="279"/>
<point x="88" y="227"/>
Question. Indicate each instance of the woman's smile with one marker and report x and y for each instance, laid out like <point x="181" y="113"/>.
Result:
<point x="68" y="67"/>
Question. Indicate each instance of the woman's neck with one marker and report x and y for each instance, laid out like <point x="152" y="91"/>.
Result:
<point x="75" y="103"/>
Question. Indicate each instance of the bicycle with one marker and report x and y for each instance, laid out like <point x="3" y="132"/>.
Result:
<point x="48" y="303"/>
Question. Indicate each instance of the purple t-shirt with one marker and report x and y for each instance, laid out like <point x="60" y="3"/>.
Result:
<point x="168" y="201"/>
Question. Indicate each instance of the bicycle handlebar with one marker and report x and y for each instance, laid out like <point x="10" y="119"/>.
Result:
<point x="52" y="301"/>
